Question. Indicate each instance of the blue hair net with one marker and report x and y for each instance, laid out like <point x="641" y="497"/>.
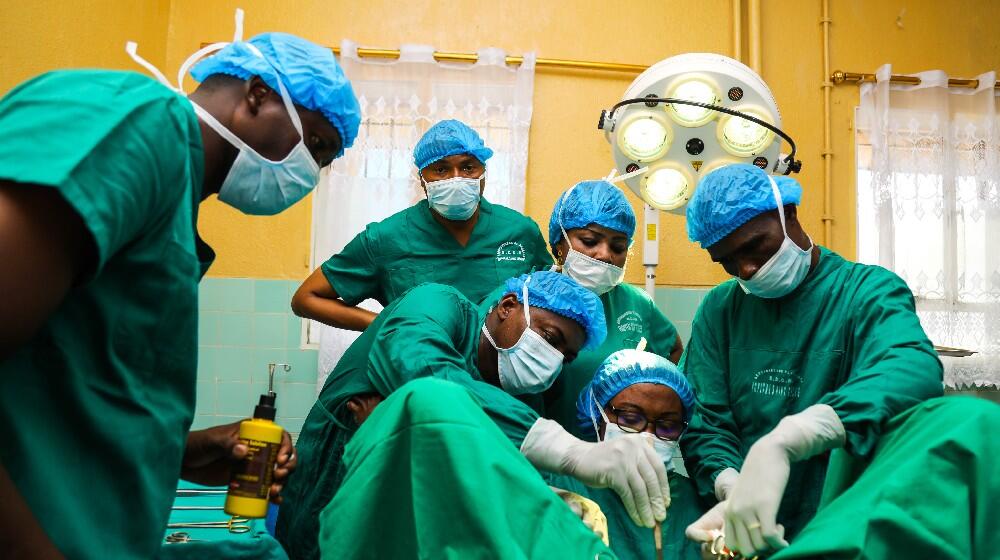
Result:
<point x="309" y="72"/>
<point x="731" y="196"/>
<point x="449" y="138"/>
<point x="592" y="202"/>
<point x="625" y="368"/>
<point x="561" y="294"/>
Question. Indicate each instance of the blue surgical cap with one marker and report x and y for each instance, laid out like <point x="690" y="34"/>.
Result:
<point x="731" y="196"/>
<point x="592" y="202"/>
<point x="625" y="368"/>
<point x="309" y="72"/>
<point x="561" y="294"/>
<point x="449" y="138"/>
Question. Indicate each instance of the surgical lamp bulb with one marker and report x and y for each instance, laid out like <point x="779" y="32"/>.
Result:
<point x="645" y="139"/>
<point x="695" y="90"/>
<point x="666" y="188"/>
<point x="742" y="137"/>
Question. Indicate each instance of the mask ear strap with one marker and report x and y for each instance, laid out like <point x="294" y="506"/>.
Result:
<point x="131" y="48"/>
<point x="565" y="198"/>
<point x="593" y="419"/>
<point x="619" y="178"/>
<point x="200" y="53"/>
<point x="527" y="307"/>
<point x="781" y="207"/>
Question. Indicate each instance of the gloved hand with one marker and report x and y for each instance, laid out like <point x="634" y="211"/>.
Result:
<point x="587" y="510"/>
<point x="724" y="483"/>
<point x="629" y="466"/>
<point x="708" y="525"/>
<point x="752" y="508"/>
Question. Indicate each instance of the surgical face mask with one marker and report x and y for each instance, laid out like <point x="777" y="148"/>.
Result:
<point x="254" y="185"/>
<point x="456" y="199"/>
<point x="665" y="449"/>
<point x="531" y="364"/>
<point x="785" y="270"/>
<point x="597" y="276"/>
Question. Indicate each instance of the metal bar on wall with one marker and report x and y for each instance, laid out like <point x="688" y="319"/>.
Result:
<point x="840" y="77"/>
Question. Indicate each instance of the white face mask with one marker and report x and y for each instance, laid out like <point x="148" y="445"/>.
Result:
<point x="665" y="449"/>
<point x="597" y="276"/>
<point x="531" y="364"/>
<point x="455" y="199"/>
<point x="785" y="270"/>
<point x="254" y="185"/>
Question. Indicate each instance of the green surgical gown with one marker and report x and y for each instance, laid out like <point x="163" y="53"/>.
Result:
<point x="95" y="407"/>
<point x="432" y="331"/>
<point x="631" y="315"/>
<point x="847" y="337"/>
<point x="429" y="475"/>
<point x="410" y="248"/>
<point x="930" y="491"/>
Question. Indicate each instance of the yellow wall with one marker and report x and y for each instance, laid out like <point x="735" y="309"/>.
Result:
<point x="958" y="36"/>
<point x="41" y="35"/>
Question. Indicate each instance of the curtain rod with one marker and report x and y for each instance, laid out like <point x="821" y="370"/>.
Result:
<point x="512" y="60"/>
<point x="840" y="77"/>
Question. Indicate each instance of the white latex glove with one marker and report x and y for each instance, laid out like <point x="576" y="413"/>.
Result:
<point x="752" y="508"/>
<point x="629" y="466"/>
<point x="724" y="483"/>
<point x="708" y="525"/>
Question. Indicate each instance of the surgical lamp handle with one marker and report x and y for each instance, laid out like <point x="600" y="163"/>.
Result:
<point x="789" y="160"/>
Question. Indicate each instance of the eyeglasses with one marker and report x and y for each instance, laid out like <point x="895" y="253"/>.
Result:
<point x="632" y="421"/>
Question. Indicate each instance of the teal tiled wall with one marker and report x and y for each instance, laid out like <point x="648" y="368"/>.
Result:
<point x="246" y="323"/>
<point x="680" y="305"/>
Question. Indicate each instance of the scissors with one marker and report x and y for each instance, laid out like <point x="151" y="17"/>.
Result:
<point x="236" y="524"/>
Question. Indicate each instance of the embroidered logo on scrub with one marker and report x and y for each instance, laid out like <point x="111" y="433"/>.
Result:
<point x="629" y="322"/>
<point x="777" y="382"/>
<point x="511" y="251"/>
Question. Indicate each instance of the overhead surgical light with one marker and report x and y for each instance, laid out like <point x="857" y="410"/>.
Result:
<point x="741" y="137"/>
<point x="690" y="114"/>
<point x="666" y="186"/>
<point x="697" y="90"/>
<point x="645" y="137"/>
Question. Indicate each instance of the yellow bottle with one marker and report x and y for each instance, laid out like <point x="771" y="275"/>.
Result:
<point x="250" y="483"/>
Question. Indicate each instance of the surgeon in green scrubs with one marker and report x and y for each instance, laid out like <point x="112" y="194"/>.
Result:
<point x="641" y="395"/>
<point x="512" y="346"/>
<point x="453" y="237"/>
<point x="590" y="232"/>
<point x="101" y="174"/>
<point x="800" y="353"/>
<point x="429" y="475"/>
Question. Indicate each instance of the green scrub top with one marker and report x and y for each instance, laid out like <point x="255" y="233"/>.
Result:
<point x="429" y="475"/>
<point x="410" y="248"/>
<point x="96" y="406"/>
<point x="847" y="337"/>
<point x="930" y="491"/>
<point x="432" y="331"/>
<point x="631" y="315"/>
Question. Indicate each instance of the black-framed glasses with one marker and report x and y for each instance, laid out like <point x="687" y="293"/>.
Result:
<point x="632" y="421"/>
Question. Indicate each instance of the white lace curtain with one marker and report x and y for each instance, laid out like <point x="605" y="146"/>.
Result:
<point x="401" y="99"/>
<point x="929" y="208"/>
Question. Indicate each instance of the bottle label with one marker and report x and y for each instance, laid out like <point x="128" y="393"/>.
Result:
<point x="252" y="476"/>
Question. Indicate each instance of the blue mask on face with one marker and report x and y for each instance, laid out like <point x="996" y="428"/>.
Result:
<point x="455" y="199"/>
<point x="785" y="270"/>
